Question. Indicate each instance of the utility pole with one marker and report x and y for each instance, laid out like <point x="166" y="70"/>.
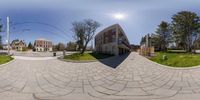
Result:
<point x="8" y="35"/>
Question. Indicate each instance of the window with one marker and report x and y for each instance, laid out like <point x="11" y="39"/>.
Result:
<point x="106" y="40"/>
<point x="113" y="38"/>
<point x="113" y="30"/>
<point x="104" y="33"/>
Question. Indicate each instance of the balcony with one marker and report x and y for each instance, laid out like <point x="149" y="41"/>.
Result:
<point x="123" y="44"/>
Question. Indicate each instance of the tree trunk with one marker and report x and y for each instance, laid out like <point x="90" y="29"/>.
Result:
<point x="195" y="44"/>
<point x="189" y="49"/>
<point x="165" y="47"/>
<point x="84" y="48"/>
<point x="189" y="44"/>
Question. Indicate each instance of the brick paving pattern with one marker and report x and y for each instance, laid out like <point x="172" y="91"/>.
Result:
<point x="136" y="78"/>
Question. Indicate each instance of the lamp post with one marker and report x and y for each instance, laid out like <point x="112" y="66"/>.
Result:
<point x="8" y="35"/>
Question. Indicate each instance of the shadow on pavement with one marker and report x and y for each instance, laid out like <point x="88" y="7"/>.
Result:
<point x="115" y="61"/>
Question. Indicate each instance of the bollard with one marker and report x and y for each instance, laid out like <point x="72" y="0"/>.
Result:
<point x="54" y="54"/>
<point x="64" y="52"/>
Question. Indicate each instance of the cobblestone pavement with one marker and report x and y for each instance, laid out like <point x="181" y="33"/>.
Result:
<point x="136" y="78"/>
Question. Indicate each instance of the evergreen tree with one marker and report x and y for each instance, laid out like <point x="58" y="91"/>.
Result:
<point x="163" y="35"/>
<point x="30" y="46"/>
<point x="185" y="25"/>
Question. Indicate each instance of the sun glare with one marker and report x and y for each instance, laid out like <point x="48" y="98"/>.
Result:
<point x="119" y="16"/>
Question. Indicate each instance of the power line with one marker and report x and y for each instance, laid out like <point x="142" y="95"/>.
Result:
<point x="52" y="26"/>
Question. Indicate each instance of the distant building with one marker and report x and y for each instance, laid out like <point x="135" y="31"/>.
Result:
<point x="43" y="45"/>
<point x="19" y="45"/>
<point x="146" y="49"/>
<point x="112" y="40"/>
<point x="5" y="47"/>
<point x="134" y="47"/>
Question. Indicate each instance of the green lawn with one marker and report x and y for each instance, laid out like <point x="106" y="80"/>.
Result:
<point x="5" y="59"/>
<point x="177" y="59"/>
<point x="86" y="56"/>
<point x="176" y="51"/>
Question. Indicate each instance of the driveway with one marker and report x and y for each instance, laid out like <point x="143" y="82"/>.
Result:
<point x="134" y="78"/>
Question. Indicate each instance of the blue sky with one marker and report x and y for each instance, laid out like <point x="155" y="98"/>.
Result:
<point x="51" y="19"/>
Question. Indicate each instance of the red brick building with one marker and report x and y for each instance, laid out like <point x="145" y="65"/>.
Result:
<point x="43" y="45"/>
<point x="112" y="40"/>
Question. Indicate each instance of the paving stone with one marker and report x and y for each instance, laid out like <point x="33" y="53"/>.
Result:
<point x="75" y="84"/>
<point x="97" y="83"/>
<point x="133" y="79"/>
<point x="163" y="92"/>
<point x="116" y="87"/>
<point x="100" y="89"/>
<point x="133" y="84"/>
<point x="133" y="92"/>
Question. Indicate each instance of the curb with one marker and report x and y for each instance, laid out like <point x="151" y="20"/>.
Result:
<point x="84" y="61"/>
<point x="76" y="61"/>
<point x="171" y="67"/>
<point x="8" y="62"/>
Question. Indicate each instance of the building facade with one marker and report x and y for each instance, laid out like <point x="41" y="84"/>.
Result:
<point x="146" y="48"/>
<point x="43" y="45"/>
<point x="112" y="40"/>
<point x="18" y="45"/>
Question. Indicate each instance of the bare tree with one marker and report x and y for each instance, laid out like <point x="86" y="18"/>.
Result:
<point x="79" y="31"/>
<point x="84" y="32"/>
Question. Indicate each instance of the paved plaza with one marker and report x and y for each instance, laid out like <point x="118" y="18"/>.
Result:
<point x="133" y="78"/>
